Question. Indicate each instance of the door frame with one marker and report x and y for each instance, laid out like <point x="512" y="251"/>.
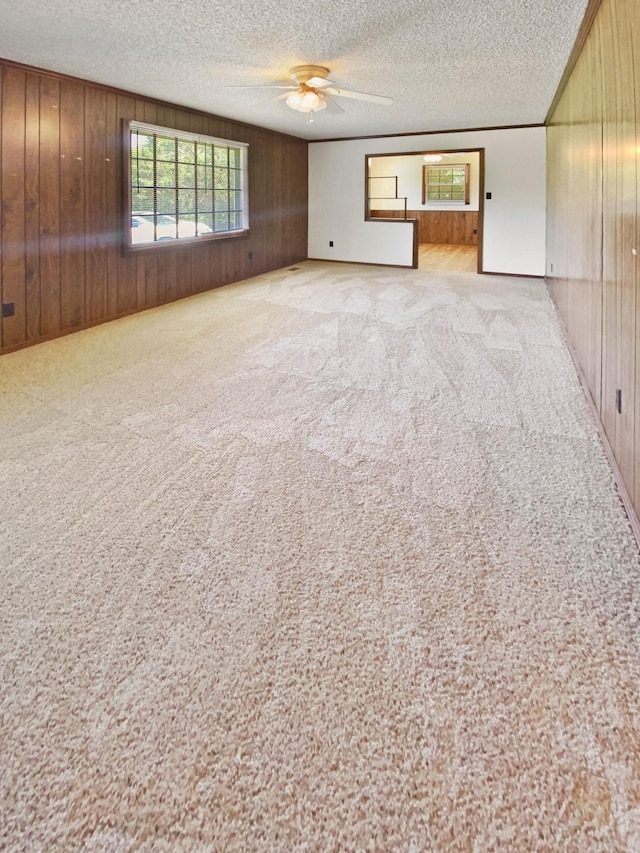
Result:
<point x="481" y="194"/>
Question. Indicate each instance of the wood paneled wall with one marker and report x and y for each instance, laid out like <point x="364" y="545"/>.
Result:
<point x="62" y="208"/>
<point x="459" y="227"/>
<point x="593" y="240"/>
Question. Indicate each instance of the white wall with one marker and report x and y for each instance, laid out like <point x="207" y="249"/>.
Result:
<point x="514" y="218"/>
<point x="408" y="170"/>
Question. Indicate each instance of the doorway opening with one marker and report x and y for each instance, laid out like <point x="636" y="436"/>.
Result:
<point x="442" y="192"/>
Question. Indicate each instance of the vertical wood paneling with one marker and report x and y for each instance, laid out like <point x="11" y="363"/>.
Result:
<point x="13" y="205"/>
<point x="169" y="262"/>
<point x="63" y="200"/>
<point x="199" y="257"/>
<point x="72" y="191"/>
<point x="611" y="130"/>
<point x="127" y="265"/>
<point x="32" y="207"/>
<point x="592" y="223"/>
<point x="627" y="217"/>
<point x="635" y="41"/>
<point x="95" y="212"/>
<point x="113" y="188"/>
<point x="49" y="206"/>
<point x="141" y="261"/>
<point x="1" y="114"/>
<point x="456" y="227"/>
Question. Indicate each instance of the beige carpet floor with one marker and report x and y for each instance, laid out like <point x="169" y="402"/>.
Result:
<point x="328" y="560"/>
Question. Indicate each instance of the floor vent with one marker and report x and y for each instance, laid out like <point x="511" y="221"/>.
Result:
<point x="293" y="269"/>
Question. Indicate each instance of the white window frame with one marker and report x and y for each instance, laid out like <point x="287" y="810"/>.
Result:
<point x="433" y="167"/>
<point x="152" y="214"/>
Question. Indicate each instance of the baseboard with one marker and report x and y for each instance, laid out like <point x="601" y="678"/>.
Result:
<point x="511" y="274"/>
<point x="623" y="492"/>
<point x="362" y="263"/>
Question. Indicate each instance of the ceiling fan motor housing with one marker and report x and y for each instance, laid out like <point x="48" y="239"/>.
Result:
<point x="302" y="73"/>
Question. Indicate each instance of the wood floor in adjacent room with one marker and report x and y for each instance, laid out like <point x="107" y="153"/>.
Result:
<point x="446" y="256"/>
<point x="330" y="559"/>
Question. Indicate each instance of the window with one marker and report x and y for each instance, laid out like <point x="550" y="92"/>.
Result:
<point x="445" y="183"/>
<point x="184" y="186"/>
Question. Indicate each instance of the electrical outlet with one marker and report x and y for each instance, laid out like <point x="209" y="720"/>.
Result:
<point x="489" y="196"/>
<point x="8" y="309"/>
<point x="331" y="243"/>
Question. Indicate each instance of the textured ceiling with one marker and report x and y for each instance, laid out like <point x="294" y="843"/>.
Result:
<point x="446" y="63"/>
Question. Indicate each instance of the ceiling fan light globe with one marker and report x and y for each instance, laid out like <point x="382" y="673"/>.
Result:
<point x="309" y="101"/>
<point x="294" y="100"/>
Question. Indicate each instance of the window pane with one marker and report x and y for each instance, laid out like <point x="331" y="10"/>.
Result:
<point x="186" y="225"/>
<point x="205" y="200"/>
<point x="142" y="143"/>
<point x="220" y="178"/>
<point x="166" y="201"/>
<point x="222" y="222"/>
<point x="221" y="156"/>
<point x="222" y="200"/>
<point x="186" y="176"/>
<point x="141" y="200"/>
<point x="166" y="228"/>
<point x="186" y="151"/>
<point x="165" y="148"/>
<point x="234" y="158"/>
<point x="235" y="179"/>
<point x="166" y="174"/>
<point x="187" y="201"/>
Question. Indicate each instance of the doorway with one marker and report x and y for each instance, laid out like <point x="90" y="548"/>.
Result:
<point x="447" y="256"/>
<point x="442" y="191"/>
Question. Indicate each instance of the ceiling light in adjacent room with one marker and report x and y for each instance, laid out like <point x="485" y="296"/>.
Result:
<point x="432" y="158"/>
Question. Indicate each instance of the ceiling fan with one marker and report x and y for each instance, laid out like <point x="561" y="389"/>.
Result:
<point x="313" y="91"/>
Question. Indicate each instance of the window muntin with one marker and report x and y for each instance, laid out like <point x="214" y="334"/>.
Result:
<point x="448" y="183"/>
<point x="184" y="186"/>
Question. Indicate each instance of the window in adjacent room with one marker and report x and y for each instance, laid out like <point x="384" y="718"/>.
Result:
<point x="184" y="186"/>
<point x="445" y="183"/>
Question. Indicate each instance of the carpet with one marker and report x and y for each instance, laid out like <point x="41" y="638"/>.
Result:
<point x="326" y="560"/>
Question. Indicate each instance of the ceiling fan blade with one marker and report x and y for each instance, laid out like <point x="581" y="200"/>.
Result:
<point x="360" y="96"/>
<point x="318" y="82"/>
<point x="332" y="106"/>
<point x="264" y="86"/>
<point x="266" y="103"/>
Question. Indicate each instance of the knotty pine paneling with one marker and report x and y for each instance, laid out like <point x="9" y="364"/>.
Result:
<point x="592" y="223"/>
<point x="458" y="227"/>
<point x="63" y="202"/>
